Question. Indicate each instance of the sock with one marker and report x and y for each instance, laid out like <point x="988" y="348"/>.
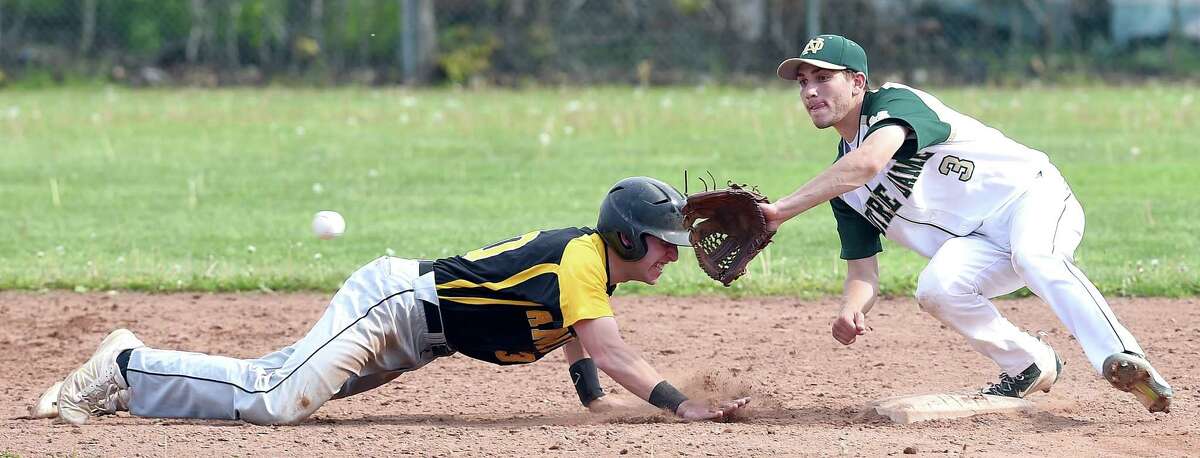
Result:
<point x="123" y="363"/>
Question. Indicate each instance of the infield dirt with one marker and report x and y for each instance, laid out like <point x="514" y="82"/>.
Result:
<point x="808" y="390"/>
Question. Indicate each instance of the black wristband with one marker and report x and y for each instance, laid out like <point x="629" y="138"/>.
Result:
<point x="665" y="396"/>
<point x="586" y="380"/>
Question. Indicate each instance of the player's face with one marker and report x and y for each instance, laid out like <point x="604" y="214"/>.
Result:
<point x="828" y="95"/>
<point x="658" y="254"/>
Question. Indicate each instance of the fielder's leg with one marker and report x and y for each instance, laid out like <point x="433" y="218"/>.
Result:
<point x="370" y="326"/>
<point x="1046" y="226"/>
<point x="955" y="288"/>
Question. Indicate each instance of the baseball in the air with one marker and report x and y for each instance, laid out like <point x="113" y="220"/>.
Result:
<point x="328" y="224"/>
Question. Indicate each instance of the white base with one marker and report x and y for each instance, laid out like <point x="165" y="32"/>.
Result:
<point x="921" y="407"/>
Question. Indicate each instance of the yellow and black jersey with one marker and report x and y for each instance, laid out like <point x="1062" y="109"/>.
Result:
<point x="514" y="301"/>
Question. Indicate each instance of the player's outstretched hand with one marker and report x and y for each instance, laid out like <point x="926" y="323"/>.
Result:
<point x="693" y="409"/>
<point x="848" y="326"/>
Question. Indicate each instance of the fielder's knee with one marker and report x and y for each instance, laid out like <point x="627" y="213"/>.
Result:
<point x="1034" y="262"/>
<point x="934" y="293"/>
<point x="930" y="294"/>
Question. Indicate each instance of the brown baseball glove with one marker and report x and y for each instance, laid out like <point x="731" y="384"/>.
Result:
<point x="727" y="230"/>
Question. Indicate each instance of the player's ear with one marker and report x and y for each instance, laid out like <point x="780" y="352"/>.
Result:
<point x="860" y="81"/>
<point x="625" y="240"/>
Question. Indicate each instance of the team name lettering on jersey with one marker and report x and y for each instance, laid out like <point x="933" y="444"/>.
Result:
<point x="904" y="173"/>
<point x="881" y="207"/>
<point x="546" y="340"/>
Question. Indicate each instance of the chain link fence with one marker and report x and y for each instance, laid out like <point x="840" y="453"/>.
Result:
<point x="518" y="42"/>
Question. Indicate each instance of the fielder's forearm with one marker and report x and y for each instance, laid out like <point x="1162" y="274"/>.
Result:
<point x="851" y="171"/>
<point x="842" y="177"/>
<point x="858" y="296"/>
<point x="861" y="287"/>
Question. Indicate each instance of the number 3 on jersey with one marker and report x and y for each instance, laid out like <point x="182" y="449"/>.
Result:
<point x="964" y="168"/>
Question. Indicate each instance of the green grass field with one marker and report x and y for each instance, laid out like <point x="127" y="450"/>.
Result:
<point x="214" y="189"/>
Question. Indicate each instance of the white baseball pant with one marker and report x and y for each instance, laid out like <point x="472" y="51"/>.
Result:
<point x="1030" y="242"/>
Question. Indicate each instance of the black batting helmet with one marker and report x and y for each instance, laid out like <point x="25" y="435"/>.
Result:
<point x="640" y="206"/>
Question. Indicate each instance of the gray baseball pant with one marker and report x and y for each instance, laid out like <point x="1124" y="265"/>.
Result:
<point x="373" y="330"/>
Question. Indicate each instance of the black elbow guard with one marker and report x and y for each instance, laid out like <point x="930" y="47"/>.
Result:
<point x="586" y="380"/>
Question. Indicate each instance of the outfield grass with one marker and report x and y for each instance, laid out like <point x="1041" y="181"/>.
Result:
<point x="214" y="189"/>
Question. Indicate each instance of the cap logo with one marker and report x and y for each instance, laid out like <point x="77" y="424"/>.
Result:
<point x="813" y="45"/>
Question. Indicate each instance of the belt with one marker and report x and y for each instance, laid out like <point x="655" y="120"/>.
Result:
<point x="435" y="333"/>
<point x="435" y="330"/>
<point x="433" y="317"/>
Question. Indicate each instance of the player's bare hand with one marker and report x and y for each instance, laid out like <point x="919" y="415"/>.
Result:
<point x="771" y="213"/>
<point x="693" y="410"/>
<point x="848" y="326"/>
<point x="611" y="403"/>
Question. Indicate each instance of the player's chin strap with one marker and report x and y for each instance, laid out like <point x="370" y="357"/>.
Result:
<point x="435" y="328"/>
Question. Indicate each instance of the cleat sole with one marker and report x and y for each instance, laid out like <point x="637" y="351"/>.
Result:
<point x="1131" y="378"/>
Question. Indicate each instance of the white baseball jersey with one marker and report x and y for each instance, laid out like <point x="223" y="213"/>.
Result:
<point x="951" y="174"/>
<point x="992" y="214"/>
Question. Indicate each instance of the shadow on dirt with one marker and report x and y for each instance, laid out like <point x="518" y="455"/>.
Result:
<point x="770" y="416"/>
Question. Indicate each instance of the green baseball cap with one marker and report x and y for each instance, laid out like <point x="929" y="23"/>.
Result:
<point x="833" y="52"/>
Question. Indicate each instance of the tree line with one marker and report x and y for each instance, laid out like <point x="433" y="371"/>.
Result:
<point x="552" y="41"/>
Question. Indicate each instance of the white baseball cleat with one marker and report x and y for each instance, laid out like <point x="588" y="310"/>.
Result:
<point x="47" y="405"/>
<point x="1132" y="373"/>
<point x="95" y="388"/>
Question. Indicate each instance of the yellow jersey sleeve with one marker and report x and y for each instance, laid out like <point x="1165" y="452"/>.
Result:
<point x="583" y="280"/>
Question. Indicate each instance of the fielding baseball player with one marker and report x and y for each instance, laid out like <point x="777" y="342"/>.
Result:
<point x="512" y="302"/>
<point x="991" y="214"/>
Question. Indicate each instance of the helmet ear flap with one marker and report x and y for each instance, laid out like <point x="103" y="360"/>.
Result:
<point x="636" y="248"/>
<point x="625" y="241"/>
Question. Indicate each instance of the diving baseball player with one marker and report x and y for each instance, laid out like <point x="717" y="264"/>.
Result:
<point x="991" y="214"/>
<point x="511" y="302"/>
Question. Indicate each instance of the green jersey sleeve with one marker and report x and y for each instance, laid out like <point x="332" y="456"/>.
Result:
<point x="899" y="106"/>
<point x="859" y="238"/>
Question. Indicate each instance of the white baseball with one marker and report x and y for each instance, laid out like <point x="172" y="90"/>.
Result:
<point x="328" y="224"/>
